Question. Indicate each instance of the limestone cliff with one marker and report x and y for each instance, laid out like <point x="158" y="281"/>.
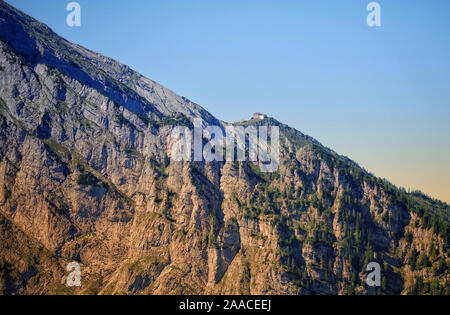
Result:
<point x="86" y="175"/>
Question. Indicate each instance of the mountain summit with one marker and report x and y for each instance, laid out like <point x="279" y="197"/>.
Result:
<point x="86" y="176"/>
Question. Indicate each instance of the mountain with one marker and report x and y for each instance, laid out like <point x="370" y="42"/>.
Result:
<point x="86" y="175"/>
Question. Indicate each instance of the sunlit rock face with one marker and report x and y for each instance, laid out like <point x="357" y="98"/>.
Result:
<point x="86" y="175"/>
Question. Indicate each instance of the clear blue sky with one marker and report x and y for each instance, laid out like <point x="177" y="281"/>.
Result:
<point x="378" y="95"/>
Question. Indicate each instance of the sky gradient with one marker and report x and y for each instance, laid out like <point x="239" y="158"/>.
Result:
<point x="380" y="96"/>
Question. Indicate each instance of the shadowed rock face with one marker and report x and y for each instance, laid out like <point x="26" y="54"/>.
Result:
<point x="86" y="175"/>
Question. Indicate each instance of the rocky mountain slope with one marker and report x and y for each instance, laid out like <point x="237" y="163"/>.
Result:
<point x="86" y="175"/>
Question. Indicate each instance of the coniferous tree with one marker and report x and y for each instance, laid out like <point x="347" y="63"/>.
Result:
<point x="411" y="258"/>
<point x="422" y="262"/>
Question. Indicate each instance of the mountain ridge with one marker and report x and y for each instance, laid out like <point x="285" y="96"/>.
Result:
<point x="86" y="176"/>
